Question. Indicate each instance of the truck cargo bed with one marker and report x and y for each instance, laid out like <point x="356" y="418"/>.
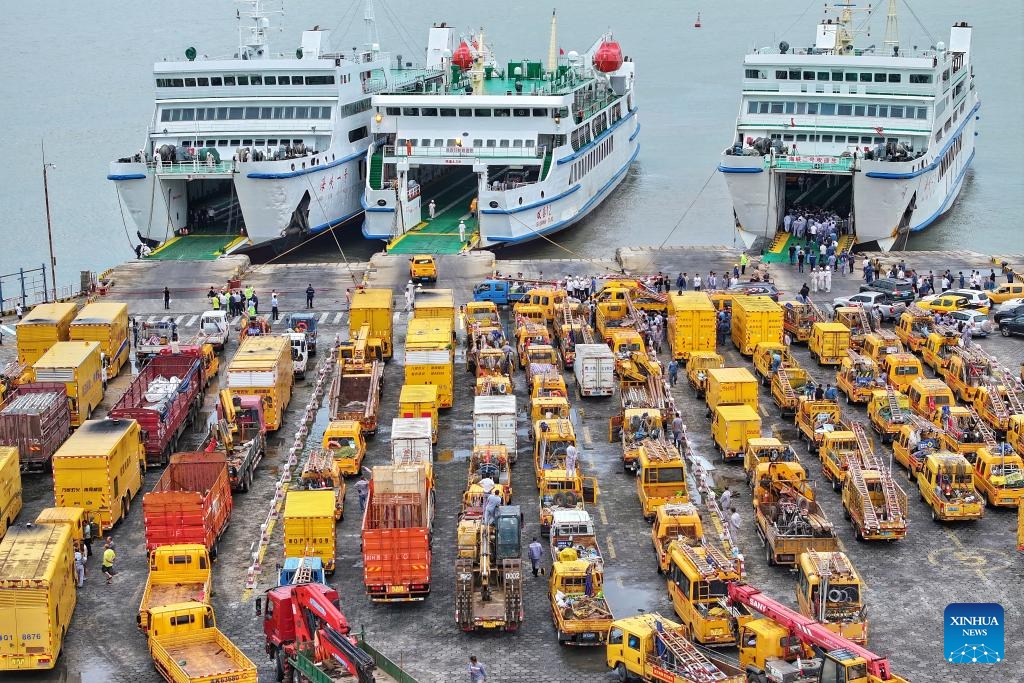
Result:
<point x="200" y="656"/>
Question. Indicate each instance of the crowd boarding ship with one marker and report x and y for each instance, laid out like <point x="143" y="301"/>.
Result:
<point x="883" y="138"/>
<point x="513" y="150"/>
<point x="257" y="150"/>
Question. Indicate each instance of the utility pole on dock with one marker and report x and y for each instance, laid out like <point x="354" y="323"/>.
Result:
<point x="49" y="225"/>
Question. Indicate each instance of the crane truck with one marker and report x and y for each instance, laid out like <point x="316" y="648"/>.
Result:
<point x="770" y="647"/>
<point x="306" y="618"/>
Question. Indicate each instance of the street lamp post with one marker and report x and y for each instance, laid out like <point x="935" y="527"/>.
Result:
<point x="49" y="226"/>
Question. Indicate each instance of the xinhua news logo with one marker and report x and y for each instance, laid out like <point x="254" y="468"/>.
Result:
<point x="973" y="633"/>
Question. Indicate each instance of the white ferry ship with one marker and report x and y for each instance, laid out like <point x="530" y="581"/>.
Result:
<point x="883" y="138"/>
<point x="268" y="146"/>
<point x="533" y="147"/>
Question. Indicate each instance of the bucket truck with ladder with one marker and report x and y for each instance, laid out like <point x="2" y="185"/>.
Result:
<point x="873" y="502"/>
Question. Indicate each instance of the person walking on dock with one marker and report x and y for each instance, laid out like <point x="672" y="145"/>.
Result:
<point x="309" y="295"/>
<point x="432" y="209"/>
<point x="273" y="305"/>
<point x="723" y="502"/>
<point x="362" y="488"/>
<point x="19" y="310"/>
<point x="734" y="521"/>
<point x="109" y="556"/>
<point x="536" y="550"/>
<point x="167" y="298"/>
<point x="744" y="260"/>
<point x="79" y="568"/>
<point x="462" y="231"/>
<point x="570" y="461"/>
<point x="477" y="672"/>
<point x="673" y="372"/>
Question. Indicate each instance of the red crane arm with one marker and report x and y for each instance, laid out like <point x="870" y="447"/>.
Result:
<point x="806" y="629"/>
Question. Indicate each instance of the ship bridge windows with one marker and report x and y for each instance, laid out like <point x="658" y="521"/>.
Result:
<point x="503" y="112"/>
<point x="242" y="79"/>
<point x="410" y="111"/>
<point x="920" y="78"/>
<point x="482" y="112"/>
<point x="428" y="111"/>
<point x="229" y="80"/>
<point x="175" y="114"/>
<point x="754" y="73"/>
<point x="520" y="112"/>
<point x="839" y="109"/>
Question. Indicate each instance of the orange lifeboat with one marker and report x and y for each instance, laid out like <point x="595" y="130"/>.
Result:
<point x="608" y="57"/>
<point x="462" y="57"/>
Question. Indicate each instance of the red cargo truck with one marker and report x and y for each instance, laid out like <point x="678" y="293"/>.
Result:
<point x="396" y="544"/>
<point x="163" y="409"/>
<point x="190" y="503"/>
<point x="36" y="420"/>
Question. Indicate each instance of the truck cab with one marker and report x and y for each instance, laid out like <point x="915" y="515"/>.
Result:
<point x="829" y="590"/>
<point x="913" y="328"/>
<point x="649" y="647"/>
<point x="927" y="396"/>
<point x="546" y="299"/>
<point x="661" y="478"/>
<point x="769" y="357"/>
<point x="963" y="431"/>
<point x="858" y="377"/>
<point x="698" y="587"/>
<point x="1015" y="432"/>
<point x="304" y="323"/>
<point x="543" y="406"/>
<point x="901" y="369"/>
<point x="965" y="374"/>
<point x="576" y="590"/>
<point x="762" y="450"/>
<point x="300" y="353"/>
<point x="999" y="476"/>
<point x="946" y="485"/>
<point x="938" y="348"/>
<point x="559" y="491"/>
<point x="674" y="522"/>
<point x="344" y="440"/>
<point x="529" y="334"/>
<point x="697" y="369"/>
<point x="880" y="413"/>
<point x="215" y="327"/>
<point x="836" y="449"/>
<point x="878" y="345"/>
<point x="501" y="292"/>
<point x="913" y="443"/>
<point x="815" y="419"/>
<point x="187" y="647"/>
<point x="551" y="437"/>
<point x="422" y="268"/>
<point x="573" y="530"/>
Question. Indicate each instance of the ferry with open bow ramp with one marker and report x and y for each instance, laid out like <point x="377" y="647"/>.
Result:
<point x="512" y="151"/>
<point x="255" y="151"/>
<point x="880" y="137"/>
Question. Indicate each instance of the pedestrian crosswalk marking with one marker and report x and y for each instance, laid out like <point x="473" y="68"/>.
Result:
<point x="177" y="321"/>
<point x="323" y="317"/>
<point x="191" y="321"/>
<point x="337" y="318"/>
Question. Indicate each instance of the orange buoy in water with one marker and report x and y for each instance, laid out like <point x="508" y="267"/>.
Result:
<point x="696" y="24"/>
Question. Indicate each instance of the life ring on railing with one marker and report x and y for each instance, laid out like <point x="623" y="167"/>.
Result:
<point x="570" y="498"/>
<point x="502" y="388"/>
<point x="300" y="326"/>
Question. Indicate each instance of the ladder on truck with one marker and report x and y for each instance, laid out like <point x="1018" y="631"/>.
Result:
<point x="865" y="320"/>
<point x="987" y="435"/>
<point x="855" y="475"/>
<point x="705" y="481"/>
<point x="690" y="664"/>
<point x="1013" y="396"/>
<point x="787" y="388"/>
<point x="574" y="321"/>
<point x="895" y="412"/>
<point x="996" y="399"/>
<point x="818" y="313"/>
<point x="707" y="568"/>
<point x="638" y="321"/>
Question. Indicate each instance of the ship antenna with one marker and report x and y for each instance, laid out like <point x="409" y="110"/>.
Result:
<point x="892" y="29"/>
<point x="252" y="41"/>
<point x="372" y="39"/>
<point x="553" y="45"/>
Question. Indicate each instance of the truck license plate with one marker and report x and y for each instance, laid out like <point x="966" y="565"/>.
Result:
<point x="588" y="636"/>
<point x="396" y="589"/>
<point x="953" y="508"/>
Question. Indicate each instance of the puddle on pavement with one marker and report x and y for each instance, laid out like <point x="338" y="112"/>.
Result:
<point x="627" y="599"/>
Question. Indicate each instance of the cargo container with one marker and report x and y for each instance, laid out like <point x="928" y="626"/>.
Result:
<point x="731" y="427"/>
<point x="10" y="487"/>
<point x="691" y="324"/>
<point x="41" y="328"/>
<point x="435" y="303"/>
<point x="263" y="367"/>
<point x="78" y="365"/>
<point x="100" y="469"/>
<point x="164" y="398"/>
<point x="309" y="526"/>
<point x="430" y="356"/>
<point x="829" y="343"/>
<point x="376" y="308"/>
<point x="71" y="517"/>
<point x="495" y="422"/>
<point x="594" y="370"/>
<point x="187" y="647"/>
<point x="106" y="323"/>
<point x="731" y="387"/>
<point x="190" y="503"/>
<point x="36" y="421"/>
<point x="755" y="319"/>
<point x="177" y="574"/>
<point x="410" y="442"/>
<point x="396" y="534"/>
<point x="419" y="400"/>
<point x="37" y="596"/>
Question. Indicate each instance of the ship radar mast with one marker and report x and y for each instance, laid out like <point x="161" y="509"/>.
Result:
<point x="836" y="37"/>
<point x="372" y="39"/>
<point x="553" y="45"/>
<point x="252" y="40"/>
<point x="892" y="29"/>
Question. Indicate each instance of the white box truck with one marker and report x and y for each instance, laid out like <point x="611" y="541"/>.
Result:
<point x="595" y="370"/>
<point x="494" y="422"/>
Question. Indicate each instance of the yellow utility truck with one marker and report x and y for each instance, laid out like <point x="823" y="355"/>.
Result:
<point x="858" y="377"/>
<point x="373" y="307"/>
<point x="578" y="608"/>
<point x="430" y="356"/>
<point x="100" y="469"/>
<point x="177" y="573"/>
<point x="343" y="439"/>
<point x="37" y="596"/>
<point x="79" y="366"/>
<point x="732" y="426"/>
<point x="674" y="522"/>
<point x="106" y="323"/>
<point x="755" y="319"/>
<point x="946" y="484"/>
<point x="815" y="419"/>
<point x="661" y="478"/>
<point x="263" y="367"/>
<point x="41" y="328"/>
<point x="873" y="502"/>
<point x="731" y="387"/>
<point x="999" y="476"/>
<point x="10" y="487"/>
<point x="829" y="343"/>
<point x="829" y="590"/>
<point x="697" y="582"/>
<point x="888" y="410"/>
<point x="697" y="369"/>
<point x="187" y="647"/>
<point x="691" y="325"/>
<point x="309" y="525"/>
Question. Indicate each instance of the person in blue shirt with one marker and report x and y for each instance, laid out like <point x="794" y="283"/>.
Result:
<point x="831" y="394"/>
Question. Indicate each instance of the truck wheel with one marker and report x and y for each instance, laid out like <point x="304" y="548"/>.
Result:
<point x="935" y="517"/>
<point x="621" y="674"/>
<point x="126" y="506"/>
<point x="768" y="555"/>
<point x="279" y="665"/>
<point x="215" y="550"/>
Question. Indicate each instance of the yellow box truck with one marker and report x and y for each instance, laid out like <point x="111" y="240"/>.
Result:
<point x="10" y="487"/>
<point x="435" y="303"/>
<point x="691" y="324"/>
<point x="37" y="596"/>
<point x="755" y="319"/>
<point x="376" y="307"/>
<point x="430" y="356"/>
<point x="263" y="367"/>
<point x="106" y="323"/>
<point x="78" y="365"/>
<point x="731" y="387"/>
<point x="419" y="400"/>
<point x="100" y="469"/>
<point x="309" y="526"/>
<point x="41" y="328"/>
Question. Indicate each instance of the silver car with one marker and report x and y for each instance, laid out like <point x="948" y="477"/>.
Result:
<point x="871" y="301"/>
<point x="982" y="325"/>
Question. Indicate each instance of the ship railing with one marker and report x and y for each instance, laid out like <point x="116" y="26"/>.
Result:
<point x="191" y="167"/>
<point x="413" y="151"/>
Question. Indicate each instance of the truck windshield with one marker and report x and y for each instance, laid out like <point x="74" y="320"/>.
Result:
<point x="665" y="475"/>
<point x="713" y="589"/>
